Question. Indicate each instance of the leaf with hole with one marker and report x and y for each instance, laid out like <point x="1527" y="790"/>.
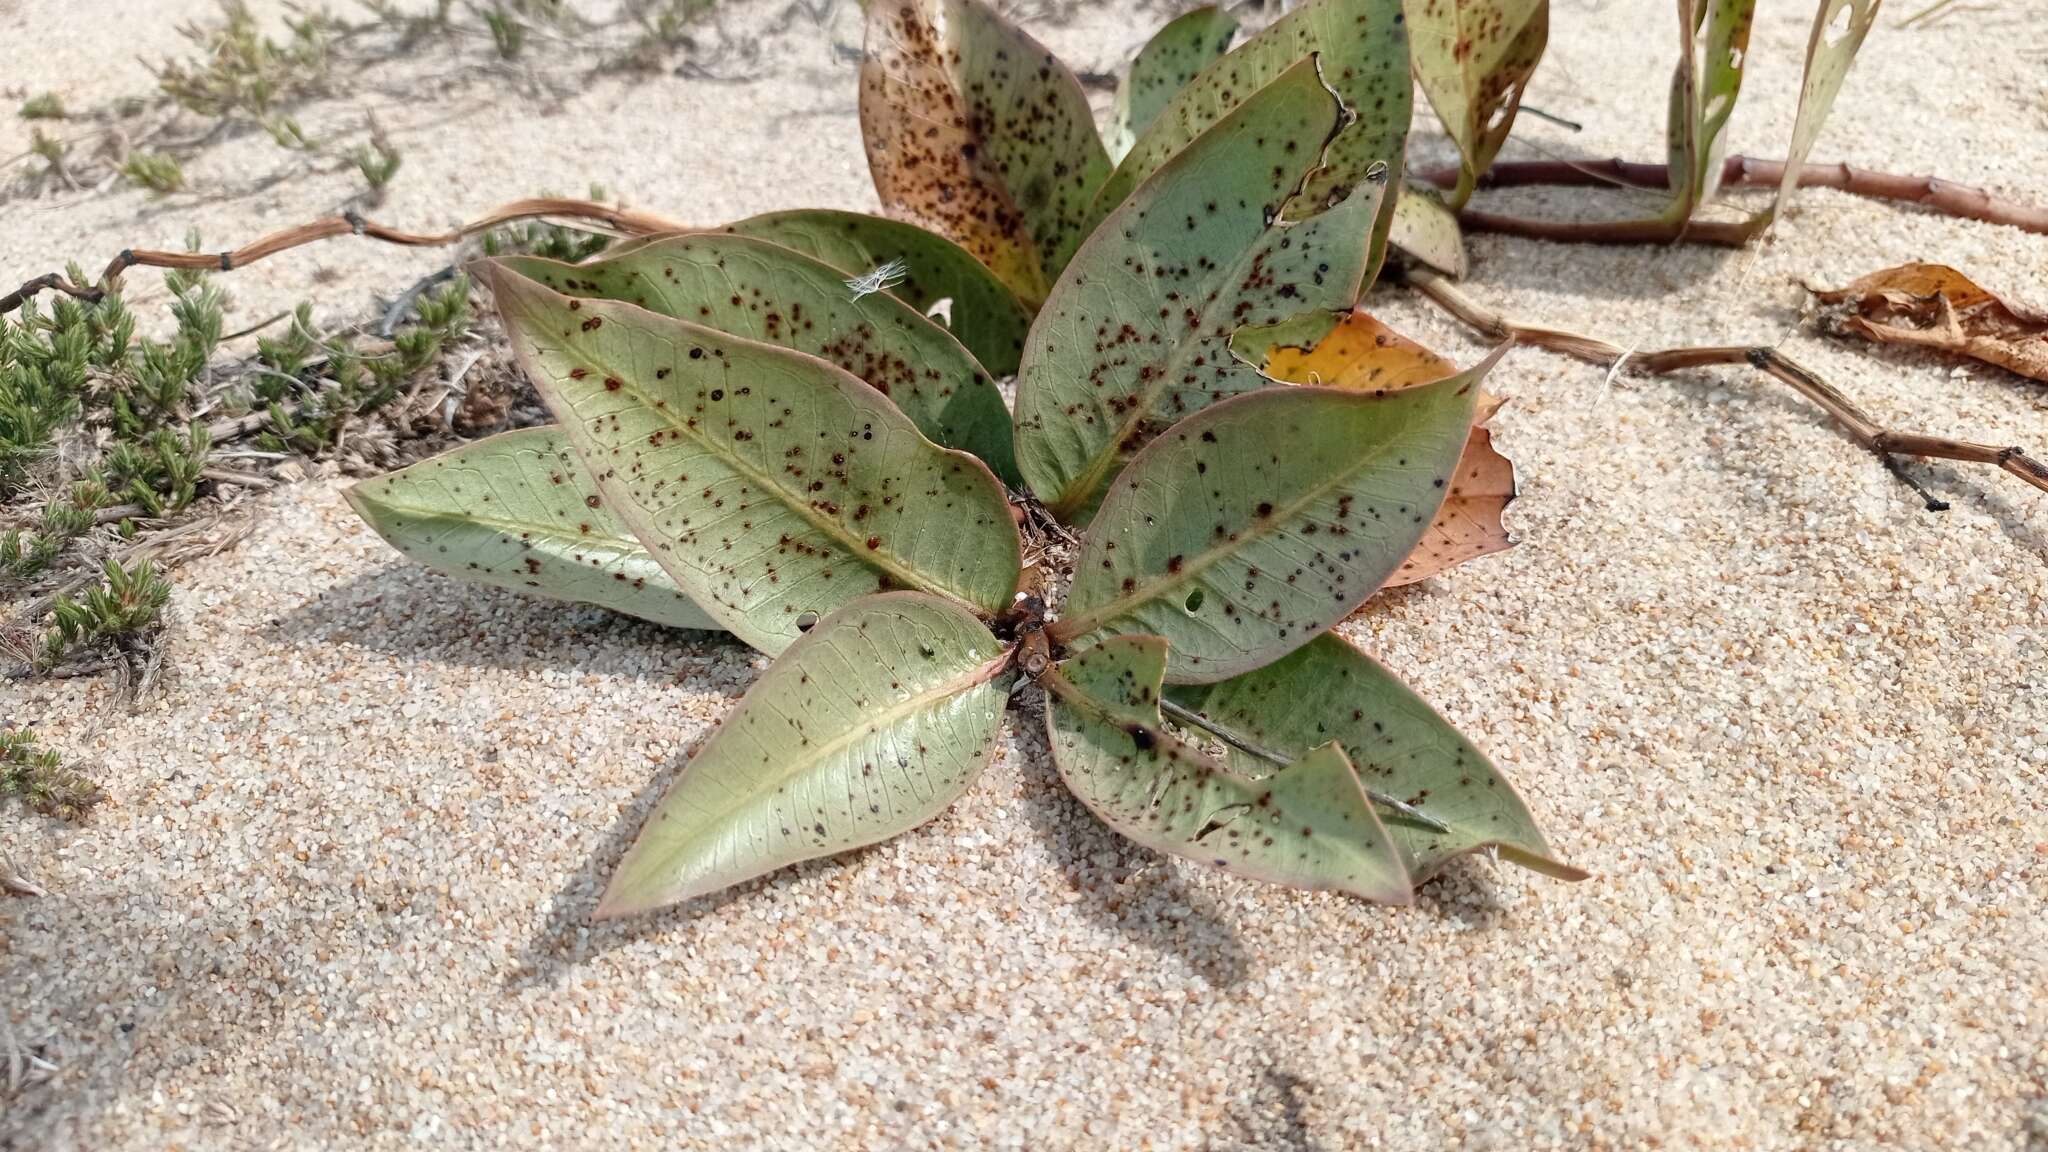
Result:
<point x="1363" y="355"/>
<point x="764" y="291"/>
<point x="1364" y="46"/>
<point x="1175" y="55"/>
<point x="1715" y="42"/>
<point x="769" y="484"/>
<point x="1255" y="524"/>
<point x="984" y="315"/>
<point x="1839" y="27"/>
<point x="1136" y="334"/>
<point x="867" y="727"/>
<point x="1308" y="825"/>
<point x="519" y="511"/>
<point x="1327" y="691"/>
<point x="977" y="132"/>
<point x="1472" y="59"/>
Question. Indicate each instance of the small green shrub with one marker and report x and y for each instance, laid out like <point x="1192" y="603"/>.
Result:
<point x="378" y="161"/>
<point x="128" y="603"/>
<point x="155" y="171"/>
<point x="38" y="778"/>
<point x="43" y="106"/>
<point x="240" y="71"/>
<point x="508" y="34"/>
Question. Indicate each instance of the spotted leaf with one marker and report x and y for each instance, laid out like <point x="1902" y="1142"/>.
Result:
<point x="772" y="486"/>
<point x="985" y="316"/>
<point x="864" y="729"/>
<point x="1309" y="824"/>
<point x="1364" y="45"/>
<point x="764" y="291"/>
<point x="976" y="131"/>
<point x="1175" y="55"/>
<point x="1839" y="27"/>
<point x="1428" y="232"/>
<point x="1472" y="58"/>
<point x="1136" y="334"/>
<point x="1363" y="355"/>
<point x="519" y="511"/>
<point x="1703" y="91"/>
<point x="1329" y="690"/>
<point x="1252" y="526"/>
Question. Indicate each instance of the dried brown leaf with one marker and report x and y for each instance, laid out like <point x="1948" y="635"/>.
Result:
<point x="1935" y="306"/>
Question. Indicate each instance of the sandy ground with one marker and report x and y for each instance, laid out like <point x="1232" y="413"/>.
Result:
<point x="1794" y="724"/>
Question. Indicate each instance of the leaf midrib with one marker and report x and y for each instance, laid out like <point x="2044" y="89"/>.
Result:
<point x="627" y="543"/>
<point x="879" y="559"/>
<point x="1092" y="478"/>
<point x="1200" y="562"/>
<point x="796" y="767"/>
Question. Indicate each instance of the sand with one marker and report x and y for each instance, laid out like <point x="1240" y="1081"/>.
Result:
<point x="1794" y="725"/>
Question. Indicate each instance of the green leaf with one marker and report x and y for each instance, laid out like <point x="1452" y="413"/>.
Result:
<point x="1428" y="232"/>
<point x="1364" y="45"/>
<point x="1136" y="334"/>
<point x="864" y="729"/>
<point x="976" y="131"/>
<point x="985" y="316"/>
<point x="519" y="511"/>
<point x="1472" y="58"/>
<point x="1329" y="690"/>
<point x="1309" y="824"/>
<point x="762" y="291"/>
<point x="770" y="485"/>
<point x="1252" y="526"/>
<point x="1175" y="55"/>
<point x="1828" y="58"/>
<point x="1363" y="355"/>
<point x="1703" y="91"/>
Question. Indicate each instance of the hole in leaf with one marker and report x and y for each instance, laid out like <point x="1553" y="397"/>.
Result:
<point x="806" y="621"/>
<point x="1194" y="602"/>
<point x="1838" y="26"/>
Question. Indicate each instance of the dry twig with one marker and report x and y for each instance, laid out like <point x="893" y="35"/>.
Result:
<point x="1930" y="192"/>
<point x="1888" y="444"/>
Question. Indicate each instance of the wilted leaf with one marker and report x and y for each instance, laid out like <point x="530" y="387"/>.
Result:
<point x="764" y="291"/>
<point x="519" y="511"/>
<point x="1827" y="65"/>
<point x="1253" y="525"/>
<point x="864" y="729"/>
<point x="1136" y="334"/>
<point x="1364" y="45"/>
<point x="1363" y="355"/>
<point x="1428" y="232"/>
<point x="985" y="316"/>
<point x="1935" y="306"/>
<point x="1703" y="91"/>
<point x="1330" y="690"/>
<point x="769" y="484"/>
<point x="1473" y="58"/>
<point x="1174" y="55"/>
<point x="977" y="132"/>
<point x="1309" y="824"/>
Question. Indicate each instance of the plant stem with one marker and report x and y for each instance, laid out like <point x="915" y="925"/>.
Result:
<point x="1929" y="192"/>
<point x="1243" y="744"/>
<point x="1860" y="426"/>
<point x="623" y="220"/>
